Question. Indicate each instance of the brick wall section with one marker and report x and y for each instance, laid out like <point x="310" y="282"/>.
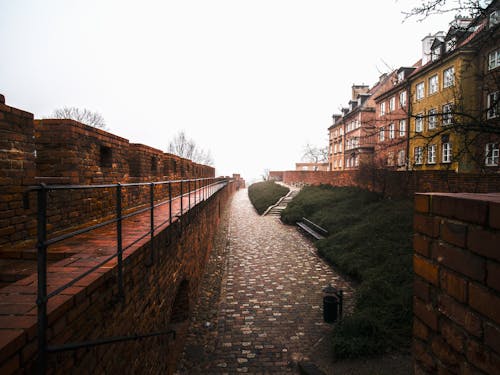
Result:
<point x="55" y="151"/>
<point x="157" y="297"/>
<point x="17" y="171"/>
<point x="396" y="183"/>
<point x="456" y="262"/>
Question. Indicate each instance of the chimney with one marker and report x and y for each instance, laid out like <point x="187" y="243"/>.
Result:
<point x="359" y="89"/>
<point x="427" y="44"/>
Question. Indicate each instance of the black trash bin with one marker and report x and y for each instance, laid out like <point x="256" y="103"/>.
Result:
<point x="330" y="309"/>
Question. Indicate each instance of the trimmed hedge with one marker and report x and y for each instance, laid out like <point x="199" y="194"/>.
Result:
<point x="264" y="194"/>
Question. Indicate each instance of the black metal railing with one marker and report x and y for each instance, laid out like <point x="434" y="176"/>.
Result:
<point x="203" y="188"/>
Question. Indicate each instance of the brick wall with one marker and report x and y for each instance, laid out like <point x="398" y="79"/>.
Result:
<point x="396" y="183"/>
<point x="55" y="151"/>
<point x="457" y="284"/>
<point x="17" y="171"/>
<point x="158" y="296"/>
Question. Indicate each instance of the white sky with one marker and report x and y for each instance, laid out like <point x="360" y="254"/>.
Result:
<point x="253" y="81"/>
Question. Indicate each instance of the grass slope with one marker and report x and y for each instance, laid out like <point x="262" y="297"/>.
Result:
<point x="264" y="194"/>
<point x="370" y="240"/>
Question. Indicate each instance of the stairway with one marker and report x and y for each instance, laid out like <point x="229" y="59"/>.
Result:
<point x="275" y="210"/>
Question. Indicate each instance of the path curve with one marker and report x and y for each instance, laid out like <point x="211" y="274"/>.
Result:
<point x="263" y="314"/>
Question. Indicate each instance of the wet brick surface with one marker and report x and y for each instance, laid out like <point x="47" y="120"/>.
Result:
<point x="260" y="304"/>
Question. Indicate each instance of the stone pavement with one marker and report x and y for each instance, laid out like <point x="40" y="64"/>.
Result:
<point x="260" y="305"/>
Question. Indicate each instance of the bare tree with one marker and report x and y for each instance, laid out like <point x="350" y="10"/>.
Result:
<point x="314" y="154"/>
<point x="461" y="8"/>
<point x="83" y="115"/>
<point x="187" y="148"/>
<point x="265" y="174"/>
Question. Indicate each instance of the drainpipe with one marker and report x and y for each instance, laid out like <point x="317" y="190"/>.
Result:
<point x="408" y="119"/>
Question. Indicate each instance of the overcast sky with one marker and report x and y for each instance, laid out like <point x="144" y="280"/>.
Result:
<point x="253" y="81"/>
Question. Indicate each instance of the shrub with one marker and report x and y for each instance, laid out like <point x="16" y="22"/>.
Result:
<point x="264" y="194"/>
<point x="370" y="240"/>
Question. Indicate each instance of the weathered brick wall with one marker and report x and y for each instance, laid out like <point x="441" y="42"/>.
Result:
<point x="457" y="284"/>
<point x="55" y="151"/>
<point x="17" y="171"/>
<point x="158" y="297"/>
<point x="395" y="183"/>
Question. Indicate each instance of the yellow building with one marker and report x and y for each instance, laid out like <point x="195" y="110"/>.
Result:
<point x="444" y="95"/>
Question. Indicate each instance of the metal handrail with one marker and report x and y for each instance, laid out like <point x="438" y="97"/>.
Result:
<point x="206" y="188"/>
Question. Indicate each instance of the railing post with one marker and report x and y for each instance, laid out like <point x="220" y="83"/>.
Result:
<point x="169" y="203"/>
<point x="152" y="219"/>
<point x="189" y="195"/>
<point x="119" y="245"/>
<point x="41" y="300"/>
<point x="181" y="199"/>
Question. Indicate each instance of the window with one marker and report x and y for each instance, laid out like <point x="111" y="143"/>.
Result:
<point x="401" y="158"/>
<point x="433" y="84"/>
<point x="450" y="44"/>
<point x="432" y="118"/>
<point x="401" y="76"/>
<point x="446" y="153"/>
<point x="494" y="18"/>
<point x="449" y="77"/>
<point x="436" y="52"/>
<point x="402" y="99"/>
<point x="356" y="161"/>
<point x="381" y="134"/>
<point x="494" y="59"/>
<point x="419" y="123"/>
<point x="419" y="91"/>
<point x="491" y="152"/>
<point x="431" y="154"/>
<point x="382" y="109"/>
<point x="493" y="105"/>
<point x="390" y="158"/>
<point x="392" y="104"/>
<point x="391" y="131"/>
<point x="402" y="128"/>
<point x="447" y="114"/>
<point x="418" y="155"/>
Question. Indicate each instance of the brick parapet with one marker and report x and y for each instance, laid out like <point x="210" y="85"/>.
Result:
<point x="457" y="290"/>
<point x="91" y="309"/>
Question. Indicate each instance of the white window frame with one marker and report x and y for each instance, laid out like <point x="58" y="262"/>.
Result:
<point x="493" y="109"/>
<point x="449" y="77"/>
<point x="382" y="108"/>
<point x="433" y="86"/>
<point x="446" y="154"/>
<point x="432" y="118"/>
<point x="491" y="153"/>
<point x="419" y="91"/>
<point x="390" y="159"/>
<point x="494" y="18"/>
<point x="447" y="114"/>
<point x="419" y="123"/>
<point x="431" y="154"/>
<point x="402" y="128"/>
<point x="494" y="59"/>
<point x="391" y="131"/>
<point x="401" y="158"/>
<point x="381" y="134"/>
<point x="418" y="154"/>
<point x="392" y="104"/>
<point x="450" y="44"/>
<point x="402" y="99"/>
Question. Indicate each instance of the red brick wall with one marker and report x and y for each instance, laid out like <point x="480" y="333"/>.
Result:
<point x="457" y="284"/>
<point x="157" y="297"/>
<point x="68" y="152"/>
<point x="395" y="183"/>
<point x="17" y="171"/>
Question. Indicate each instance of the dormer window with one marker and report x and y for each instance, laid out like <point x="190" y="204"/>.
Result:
<point x="401" y="76"/>
<point x="436" y="53"/>
<point x="494" y="18"/>
<point x="450" y="44"/>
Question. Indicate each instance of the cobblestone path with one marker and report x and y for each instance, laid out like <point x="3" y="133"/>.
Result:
<point x="260" y="305"/>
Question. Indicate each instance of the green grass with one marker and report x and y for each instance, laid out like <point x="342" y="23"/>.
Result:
<point x="370" y="240"/>
<point x="264" y="194"/>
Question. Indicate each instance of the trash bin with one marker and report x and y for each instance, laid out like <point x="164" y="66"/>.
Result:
<point x="330" y="309"/>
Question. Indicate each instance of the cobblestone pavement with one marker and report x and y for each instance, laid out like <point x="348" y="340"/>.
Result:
<point x="260" y="305"/>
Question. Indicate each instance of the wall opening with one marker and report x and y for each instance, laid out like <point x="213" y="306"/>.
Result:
<point x="106" y="157"/>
